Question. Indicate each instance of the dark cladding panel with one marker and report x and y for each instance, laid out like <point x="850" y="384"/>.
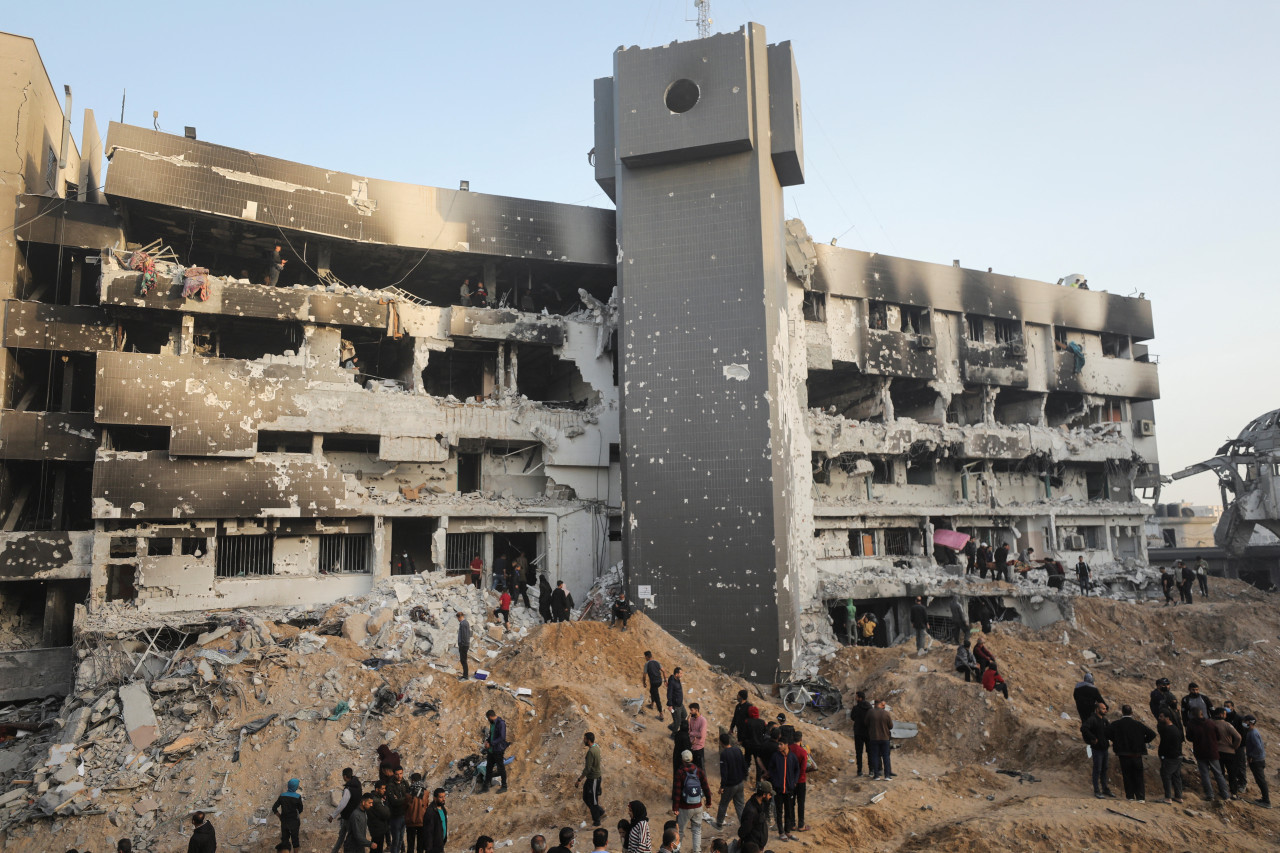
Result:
<point x="140" y="486"/>
<point x="55" y="436"/>
<point x="606" y="153"/>
<point x="786" y="138"/>
<point x="708" y="78"/>
<point x="67" y="223"/>
<point x="150" y="166"/>
<point x="43" y="553"/>
<point x="37" y="325"/>
<point x="848" y="272"/>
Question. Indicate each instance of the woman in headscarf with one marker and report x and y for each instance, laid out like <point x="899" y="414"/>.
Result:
<point x="637" y="840"/>
<point x="544" y="598"/>
<point x="288" y="807"/>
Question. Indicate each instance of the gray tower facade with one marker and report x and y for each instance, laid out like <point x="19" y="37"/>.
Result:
<point x="695" y="141"/>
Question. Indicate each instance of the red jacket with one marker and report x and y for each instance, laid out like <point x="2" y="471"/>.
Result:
<point x="803" y="755"/>
<point x="991" y="678"/>
<point x="504" y="601"/>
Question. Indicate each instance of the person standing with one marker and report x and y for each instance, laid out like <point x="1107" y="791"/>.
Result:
<point x="464" y="644"/>
<point x="560" y="603"/>
<point x="519" y="586"/>
<point x="203" y="838"/>
<point x="275" y="267"/>
<point x="965" y="663"/>
<point x="464" y="293"/>
<point x="1170" y="752"/>
<point x="1094" y="732"/>
<point x="739" y="715"/>
<point x="1191" y="703"/>
<point x="416" y="804"/>
<point x="504" y="610"/>
<point x="1188" y="578"/>
<point x="1236" y="767"/>
<point x="495" y="747"/>
<point x="566" y="840"/>
<point x="1002" y="563"/>
<point x="752" y="736"/>
<point x="288" y="807"/>
<point x="654" y="676"/>
<point x="784" y="773"/>
<point x="1086" y="697"/>
<point x="1129" y="739"/>
<point x="675" y="700"/>
<point x="698" y="735"/>
<point x="858" y="713"/>
<point x="352" y="794"/>
<point x="1084" y="575"/>
<point x="919" y="624"/>
<point x="1202" y="575"/>
<point x="357" y="839"/>
<point x="397" y="800"/>
<point x="680" y="744"/>
<point x="733" y="778"/>
<point x="1229" y="741"/>
<point x="1256" y="755"/>
<point x="961" y="620"/>
<point x="1162" y="699"/>
<point x="879" y="725"/>
<point x="544" y="599"/>
<point x="477" y="572"/>
<point x="1166" y="585"/>
<point x="436" y="824"/>
<point x="867" y="629"/>
<point x="802" y="783"/>
<point x="379" y="817"/>
<point x="591" y="778"/>
<point x="1204" y="746"/>
<point x="638" y="838"/>
<point x="970" y="556"/>
<point x="688" y="796"/>
<point x="754" y="825"/>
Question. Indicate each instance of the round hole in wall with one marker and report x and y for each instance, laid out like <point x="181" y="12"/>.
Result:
<point x="682" y="95"/>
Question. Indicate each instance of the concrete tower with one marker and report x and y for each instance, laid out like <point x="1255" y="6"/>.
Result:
<point x="694" y="141"/>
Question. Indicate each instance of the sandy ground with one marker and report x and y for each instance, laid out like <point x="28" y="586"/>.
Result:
<point x="949" y="795"/>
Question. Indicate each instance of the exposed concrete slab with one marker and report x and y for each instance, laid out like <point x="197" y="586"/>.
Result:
<point x="138" y="715"/>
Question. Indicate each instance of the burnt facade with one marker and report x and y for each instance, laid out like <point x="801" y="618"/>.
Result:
<point x="751" y="422"/>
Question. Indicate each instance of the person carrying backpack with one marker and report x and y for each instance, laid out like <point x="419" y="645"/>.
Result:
<point x="688" y="797"/>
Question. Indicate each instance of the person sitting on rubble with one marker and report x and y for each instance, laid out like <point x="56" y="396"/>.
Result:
<point x="621" y="609"/>
<point x="965" y="663"/>
<point x="288" y="807"/>
<point x="983" y="656"/>
<point x="992" y="680"/>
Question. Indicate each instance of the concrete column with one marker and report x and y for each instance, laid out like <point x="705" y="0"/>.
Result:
<point x="381" y="549"/>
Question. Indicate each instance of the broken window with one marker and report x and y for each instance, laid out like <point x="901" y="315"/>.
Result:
<point x="284" y="442"/>
<point x="877" y="316"/>
<point x="898" y="541"/>
<point x="246" y="556"/>
<point x="345" y="553"/>
<point x="245" y="338"/>
<point x="136" y="439"/>
<point x="921" y="471"/>
<point x="975" y="328"/>
<point x="881" y="471"/>
<point x="1008" y="331"/>
<point x="821" y="469"/>
<point x="195" y="546"/>
<point x="122" y="582"/>
<point x="846" y="389"/>
<point x="1061" y="335"/>
<point x="1096" y="485"/>
<point x="122" y="546"/>
<point x="469" y="472"/>
<point x="862" y="543"/>
<point x="815" y="306"/>
<point x="914" y="320"/>
<point x="551" y="380"/>
<point x="159" y="546"/>
<point x="916" y="399"/>
<point x="466" y="371"/>
<point x="460" y="549"/>
<point x="1115" y="346"/>
<point x="370" y="445"/>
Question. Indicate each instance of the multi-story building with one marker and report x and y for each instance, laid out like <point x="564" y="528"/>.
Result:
<point x="790" y="423"/>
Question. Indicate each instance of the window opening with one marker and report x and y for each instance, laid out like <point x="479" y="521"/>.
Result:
<point x="246" y="556"/>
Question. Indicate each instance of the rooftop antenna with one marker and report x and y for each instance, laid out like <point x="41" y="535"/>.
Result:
<point x="704" y="17"/>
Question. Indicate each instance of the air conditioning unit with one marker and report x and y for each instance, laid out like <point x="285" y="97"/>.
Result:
<point x="1016" y="349"/>
<point x="1146" y="427"/>
<point x="1073" y="542"/>
<point x="924" y="341"/>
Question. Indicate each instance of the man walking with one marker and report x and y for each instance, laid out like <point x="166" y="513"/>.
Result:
<point x="350" y="802"/>
<point x="920" y="624"/>
<point x="860" y="734"/>
<point x="1188" y="578"/>
<point x="688" y="796"/>
<point x="654" y="676"/>
<point x="464" y="644"/>
<point x="591" y="777"/>
<point x="1170" y="752"/>
<point x="879" y="724"/>
<point x="1084" y="575"/>
<point x="739" y="715"/>
<point x="1129" y="739"/>
<point x="1256" y="754"/>
<point x="357" y="840"/>
<point x="675" y="700"/>
<point x="733" y="777"/>
<point x="697" y="735"/>
<point x="1094" y="732"/>
<point x="495" y="745"/>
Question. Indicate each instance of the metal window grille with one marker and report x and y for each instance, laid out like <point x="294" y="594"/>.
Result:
<point x="246" y="556"/>
<point x="897" y="541"/>
<point x="345" y="553"/>
<point x="976" y="332"/>
<point x="460" y="548"/>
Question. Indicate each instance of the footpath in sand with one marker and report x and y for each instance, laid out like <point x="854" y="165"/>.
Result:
<point x="950" y="794"/>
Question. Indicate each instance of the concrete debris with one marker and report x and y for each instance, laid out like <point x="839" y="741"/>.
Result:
<point x="139" y="717"/>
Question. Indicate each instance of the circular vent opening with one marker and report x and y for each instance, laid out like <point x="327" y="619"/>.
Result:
<point x="682" y="95"/>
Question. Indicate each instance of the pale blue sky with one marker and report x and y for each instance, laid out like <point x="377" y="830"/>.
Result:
<point x="1134" y="142"/>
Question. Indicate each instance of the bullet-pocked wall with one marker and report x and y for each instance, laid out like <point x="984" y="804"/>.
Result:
<point x="702" y="277"/>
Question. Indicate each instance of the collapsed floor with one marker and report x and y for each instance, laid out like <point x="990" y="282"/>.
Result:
<point x="954" y="790"/>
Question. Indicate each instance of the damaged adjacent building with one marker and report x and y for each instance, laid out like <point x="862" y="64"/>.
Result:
<point x="751" y="421"/>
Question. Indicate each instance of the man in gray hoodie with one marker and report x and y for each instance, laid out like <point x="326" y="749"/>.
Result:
<point x="464" y="643"/>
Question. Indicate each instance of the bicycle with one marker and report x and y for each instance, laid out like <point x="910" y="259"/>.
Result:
<point x="815" y="693"/>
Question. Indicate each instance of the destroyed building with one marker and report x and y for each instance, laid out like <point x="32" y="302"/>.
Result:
<point x="753" y="422"/>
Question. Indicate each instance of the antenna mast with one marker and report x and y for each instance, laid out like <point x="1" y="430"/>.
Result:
<point x="704" y="17"/>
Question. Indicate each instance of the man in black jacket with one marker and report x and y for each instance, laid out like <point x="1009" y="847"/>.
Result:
<point x="495" y="748"/>
<point x="1086" y="697"/>
<point x="859" y="716"/>
<point x="755" y="817"/>
<point x="733" y="778"/>
<point x="379" y="818"/>
<point x="560" y="603"/>
<point x="1162" y="699"/>
<point x="739" y="715"/>
<point x="436" y="824"/>
<point x="203" y="839"/>
<point x="1170" y="752"/>
<point x="350" y="802"/>
<point x="1094" y="732"/>
<point x="397" y="797"/>
<point x="1002" y="563"/>
<point x="920" y="624"/>
<point x="1191" y="703"/>
<point x="1129" y="739"/>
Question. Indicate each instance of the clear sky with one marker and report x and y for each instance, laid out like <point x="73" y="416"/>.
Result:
<point x="1137" y="143"/>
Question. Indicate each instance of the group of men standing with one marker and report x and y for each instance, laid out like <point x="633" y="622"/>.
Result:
<point x="396" y="815"/>
<point x="1183" y="578"/>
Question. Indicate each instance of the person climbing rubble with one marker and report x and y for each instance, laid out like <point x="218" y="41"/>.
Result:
<point x="654" y="676"/>
<point x="1166" y="585"/>
<point x="675" y="699"/>
<point x="591" y="778"/>
<point x="288" y="807"/>
<point x="495" y="747"/>
<point x="464" y="644"/>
